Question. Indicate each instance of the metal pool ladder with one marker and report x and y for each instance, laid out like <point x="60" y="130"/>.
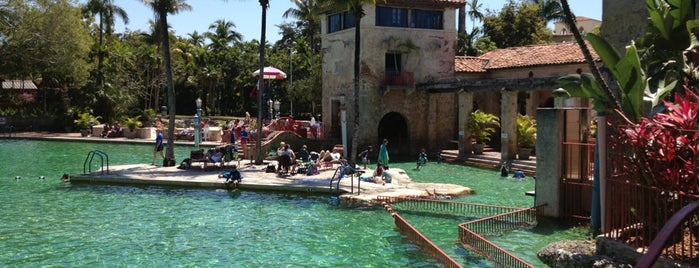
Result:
<point x="87" y="165"/>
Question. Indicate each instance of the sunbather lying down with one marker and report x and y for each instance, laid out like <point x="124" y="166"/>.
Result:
<point x="435" y="195"/>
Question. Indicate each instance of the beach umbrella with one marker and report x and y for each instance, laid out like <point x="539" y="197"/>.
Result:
<point x="270" y="73"/>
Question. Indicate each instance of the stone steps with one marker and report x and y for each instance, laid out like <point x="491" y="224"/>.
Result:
<point x="490" y="159"/>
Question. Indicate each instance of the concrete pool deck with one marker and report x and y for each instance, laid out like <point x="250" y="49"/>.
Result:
<point x="352" y="191"/>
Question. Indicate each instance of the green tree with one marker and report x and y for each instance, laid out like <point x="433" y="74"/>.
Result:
<point x="550" y="10"/>
<point x="162" y="8"/>
<point x="308" y="16"/>
<point x="517" y="24"/>
<point x="48" y="41"/>
<point x="222" y="38"/>
<point x="474" y="12"/>
<point x="106" y="10"/>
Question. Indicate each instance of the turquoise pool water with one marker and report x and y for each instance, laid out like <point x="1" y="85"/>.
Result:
<point x="47" y="223"/>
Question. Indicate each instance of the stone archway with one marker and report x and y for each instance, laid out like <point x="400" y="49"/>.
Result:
<point x="394" y="127"/>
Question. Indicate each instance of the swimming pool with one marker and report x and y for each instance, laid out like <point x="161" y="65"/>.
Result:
<point x="52" y="224"/>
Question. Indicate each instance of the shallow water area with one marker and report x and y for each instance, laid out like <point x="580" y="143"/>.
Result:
<point x="54" y="224"/>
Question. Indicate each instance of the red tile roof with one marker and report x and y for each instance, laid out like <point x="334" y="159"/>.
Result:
<point x="527" y="56"/>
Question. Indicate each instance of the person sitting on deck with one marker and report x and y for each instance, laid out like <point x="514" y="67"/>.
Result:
<point x="304" y="156"/>
<point x="386" y="175"/>
<point x="232" y="176"/>
<point x="345" y="168"/>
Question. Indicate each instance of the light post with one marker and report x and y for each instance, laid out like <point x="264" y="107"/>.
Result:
<point x="197" y="122"/>
<point x="271" y="113"/>
<point x="276" y="108"/>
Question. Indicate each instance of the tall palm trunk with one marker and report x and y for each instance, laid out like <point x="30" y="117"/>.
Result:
<point x="100" y="55"/>
<point x="570" y="20"/>
<point x="170" y="148"/>
<point x="260" y="80"/>
<point x="598" y="190"/>
<point x="358" y="14"/>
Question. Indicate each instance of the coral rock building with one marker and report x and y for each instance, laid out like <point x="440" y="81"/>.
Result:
<point x="415" y="92"/>
<point x="403" y="44"/>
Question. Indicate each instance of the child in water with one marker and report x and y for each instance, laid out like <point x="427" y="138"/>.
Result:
<point x="421" y="159"/>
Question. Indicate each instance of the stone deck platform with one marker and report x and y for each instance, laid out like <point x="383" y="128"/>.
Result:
<point x="352" y="191"/>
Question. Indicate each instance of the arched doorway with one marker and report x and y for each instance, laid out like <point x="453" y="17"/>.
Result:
<point x="394" y="128"/>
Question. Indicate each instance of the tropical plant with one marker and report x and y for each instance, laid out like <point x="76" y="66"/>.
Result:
<point x="526" y="131"/>
<point x="482" y="126"/>
<point x="664" y="146"/>
<point x="133" y="122"/>
<point x="85" y="119"/>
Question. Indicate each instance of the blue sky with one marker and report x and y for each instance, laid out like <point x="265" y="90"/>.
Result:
<point x="246" y="15"/>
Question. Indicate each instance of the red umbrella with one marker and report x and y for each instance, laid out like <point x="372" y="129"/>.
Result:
<point x="270" y="73"/>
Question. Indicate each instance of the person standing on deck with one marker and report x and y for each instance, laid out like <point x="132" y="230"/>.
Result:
<point x="383" y="153"/>
<point x="158" y="146"/>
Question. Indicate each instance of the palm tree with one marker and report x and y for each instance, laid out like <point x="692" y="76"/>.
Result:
<point x="595" y="217"/>
<point x="222" y="37"/>
<point x="356" y="6"/>
<point x="162" y="8"/>
<point x="106" y="9"/>
<point x="260" y="80"/>
<point x="474" y="12"/>
<point x="550" y="10"/>
<point x="308" y="13"/>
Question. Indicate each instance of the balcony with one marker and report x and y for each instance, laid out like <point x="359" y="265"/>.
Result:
<point x="398" y="80"/>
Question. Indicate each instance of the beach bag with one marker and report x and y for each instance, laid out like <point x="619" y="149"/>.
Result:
<point x="185" y="164"/>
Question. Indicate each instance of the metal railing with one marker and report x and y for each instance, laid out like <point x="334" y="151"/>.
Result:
<point x="576" y="201"/>
<point x="578" y="160"/>
<point x="471" y="235"/>
<point x="666" y="234"/>
<point x="8" y="130"/>
<point x="417" y="238"/>
<point x="337" y="178"/>
<point x="448" y="207"/>
<point x="638" y="212"/>
<point x="393" y="78"/>
<point x="493" y="219"/>
<point x="87" y="165"/>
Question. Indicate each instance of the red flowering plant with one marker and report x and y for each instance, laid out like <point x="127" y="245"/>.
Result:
<point x="663" y="151"/>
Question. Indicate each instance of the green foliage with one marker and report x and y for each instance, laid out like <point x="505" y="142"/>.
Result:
<point x="133" y="123"/>
<point x="47" y="39"/>
<point x="661" y="65"/>
<point x="148" y="116"/>
<point x="41" y="44"/>
<point x="517" y="24"/>
<point x="526" y="131"/>
<point x="85" y="118"/>
<point x="482" y="125"/>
